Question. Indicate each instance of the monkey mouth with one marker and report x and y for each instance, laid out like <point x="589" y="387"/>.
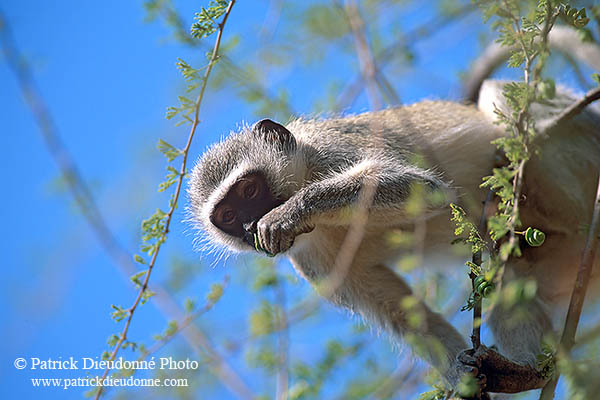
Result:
<point x="254" y="241"/>
<point x="249" y="238"/>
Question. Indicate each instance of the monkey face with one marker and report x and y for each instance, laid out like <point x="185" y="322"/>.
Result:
<point x="246" y="202"/>
<point x="239" y="180"/>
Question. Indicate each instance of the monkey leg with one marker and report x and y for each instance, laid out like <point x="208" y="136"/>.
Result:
<point x="518" y="331"/>
<point x="501" y="374"/>
<point x="382" y="297"/>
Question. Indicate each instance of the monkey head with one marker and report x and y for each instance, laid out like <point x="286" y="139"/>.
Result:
<point x="239" y="180"/>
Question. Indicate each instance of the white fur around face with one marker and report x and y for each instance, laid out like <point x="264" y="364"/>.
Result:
<point x="218" y="237"/>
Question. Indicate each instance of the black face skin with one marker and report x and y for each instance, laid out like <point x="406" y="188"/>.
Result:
<point x="248" y="200"/>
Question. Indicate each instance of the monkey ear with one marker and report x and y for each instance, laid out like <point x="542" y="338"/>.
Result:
<point x="275" y="134"/>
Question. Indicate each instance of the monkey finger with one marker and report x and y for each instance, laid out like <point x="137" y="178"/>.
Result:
<point x="466" y="357"/>
<point x="482" y="379"/>
<point x="275" y="237"/>
<point x="275" y="244"/>
<point x="264" y="237"/>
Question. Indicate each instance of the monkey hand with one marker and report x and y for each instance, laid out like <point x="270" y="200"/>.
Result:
<point x="278" y="228"/>
<point x="497" y="374"/>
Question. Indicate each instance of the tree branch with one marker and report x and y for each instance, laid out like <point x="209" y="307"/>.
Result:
<point x="477" y="259"/>
<point x="368" y="68"/>
<point x="574" y="109"/>
<point x="94" y="217"/>
<point x="241" y="391"/>
<point x="578" y="295"/>
<point x="284" y="343"/>
<point x="386" y="55"/>
<point x="562" y="38"/>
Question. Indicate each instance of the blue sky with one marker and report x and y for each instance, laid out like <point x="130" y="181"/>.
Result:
<point x="108" y="77"/>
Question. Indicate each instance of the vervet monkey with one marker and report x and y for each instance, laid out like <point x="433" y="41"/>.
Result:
<point x="295" y="190"/>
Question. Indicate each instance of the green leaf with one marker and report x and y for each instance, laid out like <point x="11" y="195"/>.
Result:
<point x="547" y="88"/>
<point x="437" y="394"/>
<point x="516" y="60"/>
<point x="154" y="228"/>
<point x="498" y="226"/>
<point x="262" y="321"/>
<point x="474" y="268"/>
<point x="266" y="278"/>
<point x="146" y="295"/>
<point x="113" y="340"/>
<point x="168" y="150"/>
<point x="133" y="346"/>
<point x="216" y="291"/>
<point x="172" y="111"/>
<point x="189" y="305"/>
<point x="172" y="177"/>
<point x="573" y="16"/>
<point x="585" y="35"/>
<point x="326" y="22"/>
<point x="139" y="259"/>
<point x="149" y="249"/>
<point x="135" y="278"/>
<point x="119" y="313"/>
<point x="263" y="358"/>
<point x="463" y="225"/>
<point x="172" y="328"/>
<point x="206" y="19"/>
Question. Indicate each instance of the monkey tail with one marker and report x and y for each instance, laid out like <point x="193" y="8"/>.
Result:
<point x="563" y="39"/>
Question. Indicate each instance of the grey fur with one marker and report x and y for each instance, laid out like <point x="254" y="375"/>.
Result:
<point x="321" y="176"/>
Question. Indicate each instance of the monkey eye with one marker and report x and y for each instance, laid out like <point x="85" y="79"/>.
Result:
<point x="250" y="191"/>
<point x="228" y="216"/>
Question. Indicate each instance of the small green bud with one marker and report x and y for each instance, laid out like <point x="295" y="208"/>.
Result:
<point x="488" y="290"/>
<point x="478" y="281"/>
<point x="534" y="237"/>
<point x="547" y="88"/>
<point x="259" y="247"/>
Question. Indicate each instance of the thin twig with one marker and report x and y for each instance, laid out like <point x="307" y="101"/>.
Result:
<point x="587" y="336"/>
<point x="284" y="344"/>
<point x="57" y="149"/>
<point x="345" y="255"/>
<point x="271" y="20"/>
<point x="244" y="80"/>
<point x="578" y="294"/>
<point x="183" y="323"/>
<point x="356" y="231"/>
<point x="382" y="58"/>
<point x="250" y="84"/>
<point x="85" y="201"/>
<point x="580" y="76"/>
<point x="169" y="215"/>
<point x="368" y="68"/>
<point x="477" y="259"/>
<point x="575" y="108"/>
<point x="560" y="38"/>
<point x="393" y="383"/>
<point x="521" y="124"/>
<point x="388" y="91"/>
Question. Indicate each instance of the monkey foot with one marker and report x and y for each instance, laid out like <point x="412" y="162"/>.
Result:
<point x="501" y="374"/>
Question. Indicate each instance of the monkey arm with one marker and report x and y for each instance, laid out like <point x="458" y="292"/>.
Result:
<point x="332" y="200"/>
